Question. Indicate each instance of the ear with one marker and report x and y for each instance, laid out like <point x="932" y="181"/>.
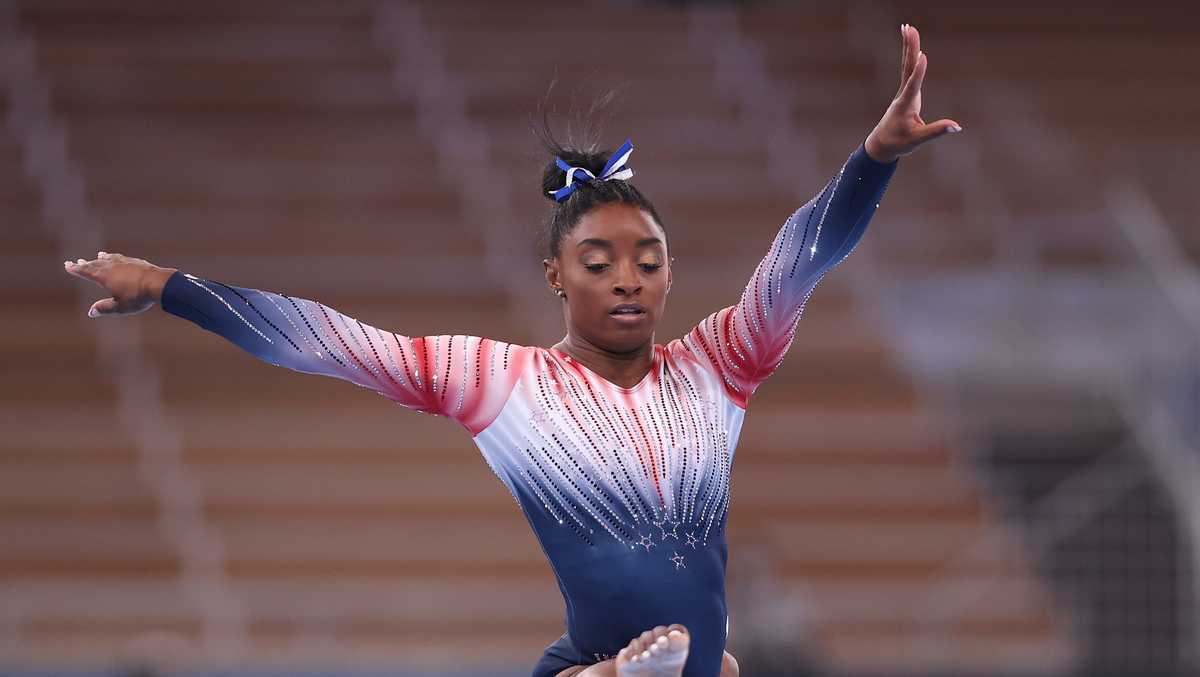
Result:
<point x="670" y="268"/>
<point x="550" y="267"/>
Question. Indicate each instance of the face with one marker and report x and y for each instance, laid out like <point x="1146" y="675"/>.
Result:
<point x="616" y="256"/>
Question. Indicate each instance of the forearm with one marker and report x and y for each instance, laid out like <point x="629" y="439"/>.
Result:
<point x="294" y="333"/>
<point x="746" y="341"/>
<point x="836" y="219"/>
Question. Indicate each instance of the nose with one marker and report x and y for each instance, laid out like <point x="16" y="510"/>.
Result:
<point x="627" y="283"/>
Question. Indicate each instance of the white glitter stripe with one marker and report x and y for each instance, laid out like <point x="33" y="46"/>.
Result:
<point x="317" y="326"/>
<point x="303" y="334"/>
<point x="836" y="183"/>
<point x="226" y="303"/>
<point x="398" y="375"/>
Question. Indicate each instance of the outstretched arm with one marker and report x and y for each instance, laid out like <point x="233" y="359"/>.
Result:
<point x="464" y="377"/>
<point x="747" y="341"/>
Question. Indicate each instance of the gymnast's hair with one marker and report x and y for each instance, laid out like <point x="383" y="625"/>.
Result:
<point x="581" y="152"/>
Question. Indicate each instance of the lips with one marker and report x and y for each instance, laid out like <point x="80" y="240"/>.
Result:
<point x="628" y="309"/>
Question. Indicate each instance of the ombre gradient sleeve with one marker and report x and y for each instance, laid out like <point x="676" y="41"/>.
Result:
<point x="466" y="378"/>
<point x="744" y="343"/>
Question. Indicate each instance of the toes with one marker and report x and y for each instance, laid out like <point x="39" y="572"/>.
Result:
<point x="676" y="640"/>
<point x="660" y="646"/>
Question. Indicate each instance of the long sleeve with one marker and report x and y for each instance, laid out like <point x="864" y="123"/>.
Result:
<point x="467" y="378"/>
<point x="746" y="342"/>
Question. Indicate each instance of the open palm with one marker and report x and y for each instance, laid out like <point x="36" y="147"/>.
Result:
<point x="902" y="129"/>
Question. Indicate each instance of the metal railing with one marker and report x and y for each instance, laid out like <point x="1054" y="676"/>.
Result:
<point x="61" y="185"/>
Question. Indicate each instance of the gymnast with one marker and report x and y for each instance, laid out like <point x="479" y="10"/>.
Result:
<point x="617" y="449"/>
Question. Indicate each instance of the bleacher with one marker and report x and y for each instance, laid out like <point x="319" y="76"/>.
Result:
<point x="277" y="145"/>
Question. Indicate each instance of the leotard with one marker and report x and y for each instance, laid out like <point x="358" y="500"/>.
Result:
<point x="626" y="489"/>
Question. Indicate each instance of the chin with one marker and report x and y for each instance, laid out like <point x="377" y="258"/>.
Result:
<point x="628" y="340"/>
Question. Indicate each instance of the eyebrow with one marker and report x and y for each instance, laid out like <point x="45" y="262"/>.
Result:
<point x="599" y="242"/>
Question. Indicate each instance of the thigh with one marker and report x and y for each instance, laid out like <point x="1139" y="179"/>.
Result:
<point x="729" y="665"/>
<point x="602" y="669"/>
<point x="559" y="657"/>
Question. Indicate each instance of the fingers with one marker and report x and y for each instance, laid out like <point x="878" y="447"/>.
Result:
<point x="912" y="87"/>
<point x="89" y="269"/>
<point x="81" y="268"/>
<point x="935" y="129"/>
<point x="103" y="307"/>
<point x="910" y="47"/>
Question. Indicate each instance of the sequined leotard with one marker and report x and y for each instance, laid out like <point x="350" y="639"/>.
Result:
<point x="626" y="488"/>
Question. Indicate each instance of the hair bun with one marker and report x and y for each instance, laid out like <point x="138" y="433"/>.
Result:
<point x="553" y="177"/>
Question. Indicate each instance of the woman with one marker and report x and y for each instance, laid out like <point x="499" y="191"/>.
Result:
<point x="617" y="449"/>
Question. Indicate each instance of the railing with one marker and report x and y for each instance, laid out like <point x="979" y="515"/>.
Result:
<point x="1149" y="372"/>
<point x="419" y="55"/>
<point x="159" y="442"/>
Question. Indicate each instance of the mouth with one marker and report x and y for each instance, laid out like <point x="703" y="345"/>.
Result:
<point x="628" y="312"/>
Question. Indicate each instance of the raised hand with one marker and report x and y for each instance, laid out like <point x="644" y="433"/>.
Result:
<point x="901" y="130"/>
<point x="135" y="285"/>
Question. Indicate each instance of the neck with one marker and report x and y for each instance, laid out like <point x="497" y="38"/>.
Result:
<point x="624" y="369"/>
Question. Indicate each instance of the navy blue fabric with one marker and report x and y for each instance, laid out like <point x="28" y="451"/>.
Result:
<point x="559" y="656"/>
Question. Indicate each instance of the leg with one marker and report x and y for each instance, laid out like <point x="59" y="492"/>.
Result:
<point x="729" y="668"/>
<point x="660" y="652"/>
<point x="602" y="669"/>
<point x="729" y="665"/>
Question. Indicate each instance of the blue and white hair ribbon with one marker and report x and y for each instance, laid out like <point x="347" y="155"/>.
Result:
<point x="614" y="169"/>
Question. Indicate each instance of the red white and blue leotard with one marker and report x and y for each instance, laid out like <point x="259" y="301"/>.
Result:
<point x="627" y="489"/>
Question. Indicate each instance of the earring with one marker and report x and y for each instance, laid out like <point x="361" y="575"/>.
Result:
<point x="558" y="290"/>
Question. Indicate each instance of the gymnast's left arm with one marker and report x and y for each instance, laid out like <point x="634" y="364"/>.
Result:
<point x="746" y="342"/>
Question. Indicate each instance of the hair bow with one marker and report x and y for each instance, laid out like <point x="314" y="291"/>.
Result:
<point x="614" y="169"/>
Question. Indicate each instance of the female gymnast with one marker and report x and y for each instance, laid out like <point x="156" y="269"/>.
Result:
<point x="617" y="449"/>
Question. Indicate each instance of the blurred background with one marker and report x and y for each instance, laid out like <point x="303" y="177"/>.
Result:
<point x="981" y="455"/>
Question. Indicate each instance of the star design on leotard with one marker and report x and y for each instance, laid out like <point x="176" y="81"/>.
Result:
<point x="646" y="542"/>
<point x="692" y="540"/>
<point x="678" y="560"/>
<point x="673" y="532"/>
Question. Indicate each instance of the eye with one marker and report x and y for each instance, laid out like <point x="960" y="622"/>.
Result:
<point x="596" y="267"/>
<point x="651" y="267"/>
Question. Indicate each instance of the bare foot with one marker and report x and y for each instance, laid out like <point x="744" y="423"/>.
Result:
<point x="660" y="652"/>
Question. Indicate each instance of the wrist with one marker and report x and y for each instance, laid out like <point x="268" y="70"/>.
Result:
<point x="877" y="151"/>
<point x="155" y="280"/>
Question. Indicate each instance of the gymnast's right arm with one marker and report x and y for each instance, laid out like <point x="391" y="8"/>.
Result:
<point x="464" y="377"/>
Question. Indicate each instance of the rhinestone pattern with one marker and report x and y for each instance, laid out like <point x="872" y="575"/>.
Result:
<point x="608" y="477"/>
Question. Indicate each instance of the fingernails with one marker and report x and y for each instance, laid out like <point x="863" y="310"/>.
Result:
<point x="92" y="312"/>
<point x="954" y="129"/>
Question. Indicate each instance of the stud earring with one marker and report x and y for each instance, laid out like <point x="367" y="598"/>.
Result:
<point x="558" y="290"/>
